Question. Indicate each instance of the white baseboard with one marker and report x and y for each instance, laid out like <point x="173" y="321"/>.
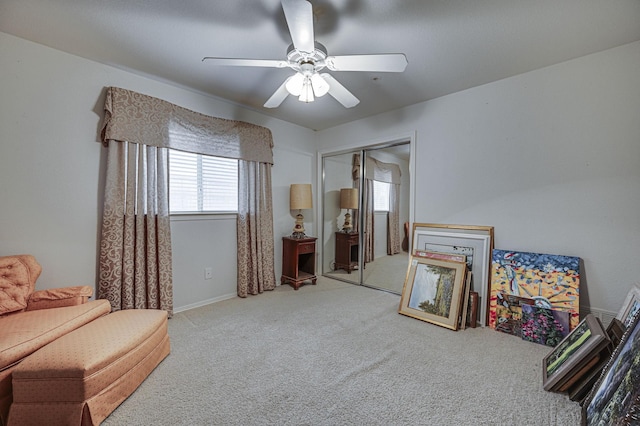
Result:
<point x="205" y="302"/>
<point x="604" y="316"/>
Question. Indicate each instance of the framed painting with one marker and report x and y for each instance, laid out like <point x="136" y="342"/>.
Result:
<point x="615" y="398"/>
<point x="615" y="331"/>
<point x="473" y="309"/>
<point x="466" y="301"/>
<point x="544" y="326"/>
<point x="441" y="256"/>
<point x="630" y="306"/>
<point x="580" y="389"/>
<point x="583" y="343"/>
<point x="433" y="291"/>
<point x="551" y="281"/>
<point x="509" y="310"/>
<point x="593" y="366"/>
<point x="473" y="242"/>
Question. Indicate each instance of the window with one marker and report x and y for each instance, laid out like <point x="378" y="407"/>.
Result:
<point x="380" y="196"/>
<point x="201" y="183"/>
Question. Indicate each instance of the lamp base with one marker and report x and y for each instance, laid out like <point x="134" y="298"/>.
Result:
<point x="298" y="228"/>
<point x="347" y="228"/>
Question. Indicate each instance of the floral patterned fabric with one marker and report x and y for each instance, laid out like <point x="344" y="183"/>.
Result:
<point x="394" y="242"/>
<point x="369" y="222"/>
<point x="135" y="249"/>
<point x="255" y="229"/>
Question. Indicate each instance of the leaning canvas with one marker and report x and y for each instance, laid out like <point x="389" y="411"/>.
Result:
<point x="433" y="291"/>
<point x="551" y="281"/>
<point x="544" y="326"/>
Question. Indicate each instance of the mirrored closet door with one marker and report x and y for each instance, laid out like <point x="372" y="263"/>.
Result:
<point x="366" y="199"/>
<point x="337" y="172"/>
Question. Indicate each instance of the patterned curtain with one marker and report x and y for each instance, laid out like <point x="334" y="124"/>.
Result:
<point x="135" y="248"/>
<point x="255" y="229"/>
<point x="369" y="234"/>
<point x="394" y="242"/>
<point x="355" y="175"/>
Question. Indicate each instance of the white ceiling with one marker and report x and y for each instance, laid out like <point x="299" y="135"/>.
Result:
<point x="451" y="45"/>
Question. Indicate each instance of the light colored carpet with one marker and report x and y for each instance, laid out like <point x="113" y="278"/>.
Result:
<point x="339" y="354"/>
<point x="386" y="272"/>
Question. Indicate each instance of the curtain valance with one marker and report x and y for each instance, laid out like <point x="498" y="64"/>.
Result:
<point x="383" y="172"/>
<point x="138" y="118"/>
<point x="377" y="170"/>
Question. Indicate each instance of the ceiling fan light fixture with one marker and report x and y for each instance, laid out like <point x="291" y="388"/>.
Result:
<point x="306" y="94"/>
<point x="320" y="86"/>
<point x="295" y="84"/>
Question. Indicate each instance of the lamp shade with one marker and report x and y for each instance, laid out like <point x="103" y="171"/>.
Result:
<point x="349" y="198"/>
<point x="300" y="196"/>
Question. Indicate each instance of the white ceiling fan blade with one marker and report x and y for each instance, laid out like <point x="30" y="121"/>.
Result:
<point x="299" y="16"/>
<point x="393" y="62"/>
<point x="239" y="62"/>
<point x="278" y="96"/>
<point x="339" y="92"/>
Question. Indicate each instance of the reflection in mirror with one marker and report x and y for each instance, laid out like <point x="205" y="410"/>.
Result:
<point x="337" y="172"/>
<point x="385" y="217"/>
<point x="382" y="260"/>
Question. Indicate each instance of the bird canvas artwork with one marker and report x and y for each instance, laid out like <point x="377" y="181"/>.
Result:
<point x="544" y="280"/>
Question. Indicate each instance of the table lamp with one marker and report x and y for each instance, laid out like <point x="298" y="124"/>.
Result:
<point x="348" y="200"/>
<point x="300" y="199"/>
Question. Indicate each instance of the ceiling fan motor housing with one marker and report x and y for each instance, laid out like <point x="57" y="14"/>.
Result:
<point x="297" y="58"/>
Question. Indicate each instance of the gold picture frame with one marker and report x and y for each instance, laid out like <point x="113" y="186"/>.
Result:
<point x="473" y="241"/>
<point x="433" y="291"/>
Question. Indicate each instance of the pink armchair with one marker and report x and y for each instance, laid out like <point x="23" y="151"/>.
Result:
<point x="31" y="319"/>
<point x="18" y="275"/>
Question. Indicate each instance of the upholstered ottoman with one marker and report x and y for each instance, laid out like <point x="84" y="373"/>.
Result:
<point x="80" y="378"/>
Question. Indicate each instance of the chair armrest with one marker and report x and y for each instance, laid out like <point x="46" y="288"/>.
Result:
<point x="59" y="297"/>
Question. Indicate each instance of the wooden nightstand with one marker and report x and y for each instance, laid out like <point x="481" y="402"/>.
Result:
<point x="347" y="251"/>
<point x="298" y="261"/>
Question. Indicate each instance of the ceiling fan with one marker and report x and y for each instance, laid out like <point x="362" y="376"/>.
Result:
<point x="307" y="57"/>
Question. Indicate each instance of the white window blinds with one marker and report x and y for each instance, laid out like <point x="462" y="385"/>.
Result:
<point x="380" y="196"/>
<point x="202" y="183"/>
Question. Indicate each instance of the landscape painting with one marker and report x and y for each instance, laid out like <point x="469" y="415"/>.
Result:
<point x="551" y="281"/>
<point x="433" y="291"/>
<point x="574" y="351"/>
<point x="615" y="399"/>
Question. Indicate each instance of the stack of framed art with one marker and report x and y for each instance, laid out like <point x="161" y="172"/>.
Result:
<point x="577" y="363"/>
<point x="447" y="279"/>
<point x="569" y="365"/>
<point x="534" y="296"/>
<point x="615" y="398"/>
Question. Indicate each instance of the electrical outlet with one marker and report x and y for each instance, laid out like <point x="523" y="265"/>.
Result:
<point x="208" y="273"/>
